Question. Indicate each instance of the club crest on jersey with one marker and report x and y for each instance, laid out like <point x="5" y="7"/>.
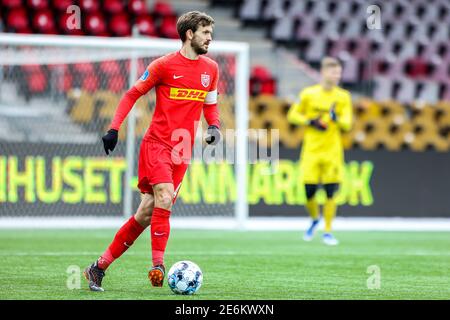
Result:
<point x="205" y="80"/>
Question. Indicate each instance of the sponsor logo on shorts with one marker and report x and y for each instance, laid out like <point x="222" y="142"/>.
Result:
<point x="187" y="94"/>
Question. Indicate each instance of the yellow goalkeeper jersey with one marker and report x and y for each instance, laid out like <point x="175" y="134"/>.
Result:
<point x="316" y="102"/>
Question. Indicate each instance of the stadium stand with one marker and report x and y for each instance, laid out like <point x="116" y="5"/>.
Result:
<point x="406" y="64"/>
<point x="411" y="46"/>
<point x="389" y="125"/>
<point x="108" y="18"/>
<point x="404" y="67"/>
<point x="101" y="18"/>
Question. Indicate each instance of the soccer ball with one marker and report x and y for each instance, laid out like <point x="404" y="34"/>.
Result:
<point x="185" y="277"/>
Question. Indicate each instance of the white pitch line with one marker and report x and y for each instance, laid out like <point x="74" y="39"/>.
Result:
<point x="218" y="223"/>
<point x="220" y="253"/>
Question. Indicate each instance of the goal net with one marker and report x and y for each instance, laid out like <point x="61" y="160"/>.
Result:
<point x="58" y="95"/>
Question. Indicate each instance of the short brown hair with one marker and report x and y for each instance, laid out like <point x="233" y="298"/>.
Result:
<point x="192" y="20"/>
<point x="329" y="62"/>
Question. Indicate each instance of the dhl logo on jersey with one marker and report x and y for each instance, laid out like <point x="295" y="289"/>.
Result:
<point x="187" y="94"/>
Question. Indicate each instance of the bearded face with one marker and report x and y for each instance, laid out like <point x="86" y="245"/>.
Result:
<point x="199" y="46"/>
<point x="201" y="39"/>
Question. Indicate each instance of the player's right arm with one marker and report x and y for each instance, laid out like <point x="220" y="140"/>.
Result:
<point x="150" y="78"/>
<point x="297" y="112"/>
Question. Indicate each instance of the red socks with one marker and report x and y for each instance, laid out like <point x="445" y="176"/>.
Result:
<point x="124" y="238"/>
<point x="130" y="231"/>
<point x="160" y="230"/>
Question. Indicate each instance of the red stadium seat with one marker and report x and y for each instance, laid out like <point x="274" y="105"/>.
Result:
<point x="66" y="83"/>
<point x="62" y="25"/>
<point x="30" y="68"/>
<point x="113" y="6"/>
<point x="261" y="81"/>
<point x="163" y="9"/>
<point x="95" y="25"/>
<point x="137" y="7"/>
<point x="62" y="5"/>
<point x="37" y="4"/>
<point x="416" y="67"/>
<point x="43" y="22"/>
<point x="35" y="80"/>
<point x="260" y="73"/>
<point x="82" y="71"/>
<point x="17" y="20"/>
<point x="89" y="6"/>
<point x="110" y="67"/>
<point x="146" y="26"/>
<point x="11" y="4"/>
<point x="168" y="28"/>
<point x="268" y="87"/>
<point x="90" y="83"/>
<point x="120" y="25"/>
<point x="84" y="68"/>
<point x="117" y="83"/>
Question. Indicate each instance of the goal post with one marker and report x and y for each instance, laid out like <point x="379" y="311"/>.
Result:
<point x="56" y="98"/>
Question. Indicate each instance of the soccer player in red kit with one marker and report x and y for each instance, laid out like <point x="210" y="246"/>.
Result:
<point x="186" y="84"/>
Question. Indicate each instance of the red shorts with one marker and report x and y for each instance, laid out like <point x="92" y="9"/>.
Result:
<point x="158" y="165"/>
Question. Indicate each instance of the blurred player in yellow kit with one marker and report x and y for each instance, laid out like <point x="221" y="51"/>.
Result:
<point x="326" y="110"/>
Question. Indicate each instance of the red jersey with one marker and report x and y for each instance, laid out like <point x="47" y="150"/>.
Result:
<point x="184" y="88"/>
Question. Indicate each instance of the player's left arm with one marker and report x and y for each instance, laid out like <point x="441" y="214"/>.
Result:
<point x="211" y="111"/>
<point x="345" y="117"/>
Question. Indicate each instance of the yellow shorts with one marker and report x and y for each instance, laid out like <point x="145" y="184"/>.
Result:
<point x="316" y="170"/>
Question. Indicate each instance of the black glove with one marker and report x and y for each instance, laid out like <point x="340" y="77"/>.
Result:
<point x="110" y="140"/>
<point x="318" y="124"/>
<point x="212" y="135"/>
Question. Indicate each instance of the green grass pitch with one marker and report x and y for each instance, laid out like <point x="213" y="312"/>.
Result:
<point x="236" y="265"/>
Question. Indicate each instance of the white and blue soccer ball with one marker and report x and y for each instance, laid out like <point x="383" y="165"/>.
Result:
<point x="185" y="277"/>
